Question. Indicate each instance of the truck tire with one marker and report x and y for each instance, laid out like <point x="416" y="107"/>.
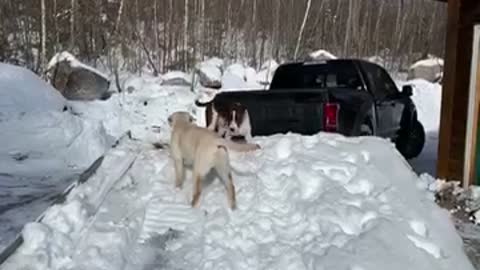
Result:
<point x="411" y="141"/>
<point x="366" y="130"/>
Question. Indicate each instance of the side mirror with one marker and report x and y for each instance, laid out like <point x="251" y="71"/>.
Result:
<point x="407" y="90"/>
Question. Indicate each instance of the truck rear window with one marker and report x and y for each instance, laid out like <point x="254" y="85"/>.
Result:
<point x="334" y="74"/>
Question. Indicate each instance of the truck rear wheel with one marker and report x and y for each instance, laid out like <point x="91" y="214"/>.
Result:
<point x="410" y="141"/>
<point x="366" y="130"/>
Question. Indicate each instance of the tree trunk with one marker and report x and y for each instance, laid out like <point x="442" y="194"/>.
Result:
<point x="157" y="35"/>
<point x="185" y="38"/>
<point x="302" y="28"/>
<point x="377" y="28"/>
<point x="44" y="36"/>
<point x="348" y="29"/>
<point x="72" y="25"/>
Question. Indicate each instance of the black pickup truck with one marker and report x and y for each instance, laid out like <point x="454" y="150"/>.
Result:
<point x="348" y="96"/>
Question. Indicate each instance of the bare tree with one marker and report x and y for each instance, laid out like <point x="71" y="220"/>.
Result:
<point x="72" y="25"/>
<point x="43" y="61"/>
<point x="185" y="37"/>
<point x="302" y="28"/>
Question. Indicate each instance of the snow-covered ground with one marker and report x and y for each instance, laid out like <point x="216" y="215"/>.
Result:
<point x="304" y="202"/>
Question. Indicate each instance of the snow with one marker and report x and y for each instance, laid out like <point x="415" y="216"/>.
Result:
<point x="73" y="61"/>
<point x="216" y="62"/>
<point x="265" y="75"/>
<point x="176" y="78"/>
<point x="303" y="201"/>
<point x="233" y="81"/>
<point x="23" y="92"/>
<point x="237" y="76"/>
<point x="322" y="55"/>
<point x="293" y="213"/>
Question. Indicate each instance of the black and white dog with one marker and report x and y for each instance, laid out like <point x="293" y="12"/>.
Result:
<point x="229" y="120"/>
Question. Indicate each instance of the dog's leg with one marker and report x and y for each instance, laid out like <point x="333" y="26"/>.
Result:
<point x="197" y="189"/>
<point x="179" y="173"/>
<point x="231" y="192"/>
<point x="222" y="167"/>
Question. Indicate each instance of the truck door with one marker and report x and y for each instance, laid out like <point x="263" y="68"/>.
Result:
<point x="389" y="106"/>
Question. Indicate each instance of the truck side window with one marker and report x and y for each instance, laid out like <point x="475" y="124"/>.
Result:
<point x="381" y="84"/>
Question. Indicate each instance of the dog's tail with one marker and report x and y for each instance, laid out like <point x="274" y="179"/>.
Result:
<point x="241" y="147"/>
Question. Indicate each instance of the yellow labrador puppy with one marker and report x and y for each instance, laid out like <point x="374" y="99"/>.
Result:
<point x="205" y="150"/>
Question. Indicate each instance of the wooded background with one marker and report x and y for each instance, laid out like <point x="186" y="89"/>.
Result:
<point x="163" y="35"/>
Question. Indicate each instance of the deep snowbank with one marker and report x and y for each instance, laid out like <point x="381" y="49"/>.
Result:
<point x="21" y="91"/>
<point x="303" y="202"/>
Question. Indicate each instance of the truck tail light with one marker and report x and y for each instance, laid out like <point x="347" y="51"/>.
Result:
<point x="330" y="116"/>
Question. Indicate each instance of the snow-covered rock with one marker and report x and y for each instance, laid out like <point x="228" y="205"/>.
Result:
<point x="176" y="78"/>
<point x="75" y="80"/>
<point x="210" y="75"/>
<point x="321" y="55"/>
<point x="22" y="91"/>
<point x="429" y="69"/>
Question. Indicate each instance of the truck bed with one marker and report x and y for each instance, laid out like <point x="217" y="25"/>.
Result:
<point x="281" y="111"/>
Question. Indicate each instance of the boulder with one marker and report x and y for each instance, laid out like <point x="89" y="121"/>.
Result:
<point x="176" y="78"/>
<point x="209" y="74"/>
<point x="428" y="69"/>
<point x="75" y="80"/>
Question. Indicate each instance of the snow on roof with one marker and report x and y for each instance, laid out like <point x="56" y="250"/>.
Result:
<point x="322" y="54"/>
<point x="73" y="61"/>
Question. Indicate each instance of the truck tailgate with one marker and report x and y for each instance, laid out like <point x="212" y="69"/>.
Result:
<point x="271" y="112"/>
